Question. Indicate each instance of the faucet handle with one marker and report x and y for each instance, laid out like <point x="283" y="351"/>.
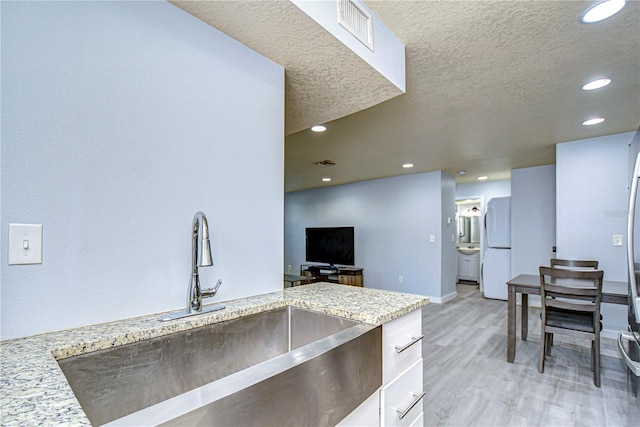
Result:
<point x="210" y="292"/>
<point x="217" y="286"/>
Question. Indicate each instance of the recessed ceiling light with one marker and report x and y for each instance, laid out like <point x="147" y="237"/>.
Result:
<point x="407" y="165"/>
<point x="318" y="128"/>
<point x="595" y="121"/>
<point x="483" y="178"/>
<point x="326" y="179"/>
<point x="596" y="84"/>
<point x="462" y="172"/>
<point x="601" y="10"/>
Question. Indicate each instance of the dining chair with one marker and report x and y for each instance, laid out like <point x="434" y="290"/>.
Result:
<point x="573" y="263"/>
<point x="571" y="306"/>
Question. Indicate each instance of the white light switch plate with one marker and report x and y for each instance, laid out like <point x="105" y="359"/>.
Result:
<point x="617" y="240"/>
<point x="25" y="244"/>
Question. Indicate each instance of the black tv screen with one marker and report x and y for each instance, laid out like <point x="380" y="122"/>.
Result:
<point x="331" y="245"/>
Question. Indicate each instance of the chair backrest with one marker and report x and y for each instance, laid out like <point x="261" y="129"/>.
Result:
<point x="578" y="290"/>
<point x="573" y="263"/>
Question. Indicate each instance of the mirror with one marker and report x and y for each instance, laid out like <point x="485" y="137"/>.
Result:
<point x="469" y="229"/>
<point x="468" y="214"/>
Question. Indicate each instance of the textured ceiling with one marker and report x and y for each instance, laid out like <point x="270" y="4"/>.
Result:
<point x="491" y="85"/>
<point x="324" y="80"/>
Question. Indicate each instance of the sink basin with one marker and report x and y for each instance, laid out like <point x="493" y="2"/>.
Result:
<point x="468" y="251"/>
<point x="237" y="372"/>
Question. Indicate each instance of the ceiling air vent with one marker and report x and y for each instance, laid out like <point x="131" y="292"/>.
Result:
<point x="354" y="17"/>
<point x="325" y="163"/>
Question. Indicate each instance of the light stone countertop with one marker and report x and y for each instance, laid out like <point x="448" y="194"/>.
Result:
<point x="35" y="391"/>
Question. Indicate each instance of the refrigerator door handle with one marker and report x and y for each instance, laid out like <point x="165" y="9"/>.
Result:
<point x="633" y="366"/>
<point x="633" y="284"/>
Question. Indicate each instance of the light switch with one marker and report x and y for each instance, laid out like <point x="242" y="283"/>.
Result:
<point x="617" y="240"/>
<point x="432" y="238"/>
<point x="25" y="244"/>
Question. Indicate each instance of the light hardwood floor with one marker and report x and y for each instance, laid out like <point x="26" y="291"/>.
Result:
<point x="468" y="381"/>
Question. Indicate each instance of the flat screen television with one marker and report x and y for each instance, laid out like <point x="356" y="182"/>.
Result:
<point x="331" y="245"/>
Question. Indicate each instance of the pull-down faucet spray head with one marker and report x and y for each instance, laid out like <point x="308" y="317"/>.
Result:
<point x="203" y="246"/>
<point x="205" y="254"/>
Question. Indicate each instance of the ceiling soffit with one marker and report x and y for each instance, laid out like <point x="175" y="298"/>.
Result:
<point x="324" y="80"/>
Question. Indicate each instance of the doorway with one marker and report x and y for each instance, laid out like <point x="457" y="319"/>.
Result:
<point x="469" y="241"/>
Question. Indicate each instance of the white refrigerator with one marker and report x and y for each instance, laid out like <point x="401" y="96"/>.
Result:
<point x="496" y="264"/>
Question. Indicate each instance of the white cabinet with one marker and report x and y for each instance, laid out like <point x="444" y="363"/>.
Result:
<point x="469" y="266"/>
<point x="419" y="422"/>
<point x="402" y="382"/>
<point x="404" y="334"/>
<point x="365" y="415"/>
<point x="401" y="399"/>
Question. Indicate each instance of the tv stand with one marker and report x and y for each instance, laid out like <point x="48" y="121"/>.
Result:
<point x="330" y="273"/>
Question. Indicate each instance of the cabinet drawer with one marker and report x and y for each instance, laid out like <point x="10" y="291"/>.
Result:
<point x="401" y="401"/>
<point x="419" y="421"/>
<point x="396" y="335"/>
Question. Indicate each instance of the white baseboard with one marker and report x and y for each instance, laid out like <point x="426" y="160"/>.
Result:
<point x="442" y="300"/>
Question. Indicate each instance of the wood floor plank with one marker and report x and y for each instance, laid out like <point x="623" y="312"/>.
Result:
<point x="468" y="381"/>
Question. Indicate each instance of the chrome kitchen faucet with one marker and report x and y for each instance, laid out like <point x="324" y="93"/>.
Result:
<point x="200" y="257"/>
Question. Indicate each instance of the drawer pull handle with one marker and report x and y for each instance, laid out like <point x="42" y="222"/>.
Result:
<point x="418" y="398"/>
<point x="414" y="340"/>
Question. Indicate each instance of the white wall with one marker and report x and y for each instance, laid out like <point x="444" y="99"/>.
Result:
<point x="393" y="219"/>
<point x="533" y="218"/>
<point x="487" y="190"/>
<point x="119" y="121"/>
<point x="449" y="241"/>
<point x="592" y="203"/>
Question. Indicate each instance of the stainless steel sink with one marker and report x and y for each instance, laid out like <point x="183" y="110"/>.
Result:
<point x="239" y="372"/>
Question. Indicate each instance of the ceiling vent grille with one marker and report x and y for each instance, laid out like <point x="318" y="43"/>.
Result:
<point x="325" y="163"/>
<point x="354" y="17"/>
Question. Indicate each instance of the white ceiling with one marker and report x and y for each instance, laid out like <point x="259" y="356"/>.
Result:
<point x="491" y="85"/>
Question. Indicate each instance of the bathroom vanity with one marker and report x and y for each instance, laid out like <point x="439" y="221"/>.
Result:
<point x="36" y="391"/>
<point x="469" y="264"/>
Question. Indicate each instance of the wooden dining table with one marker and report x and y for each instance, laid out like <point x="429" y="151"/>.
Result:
<point x="529" y="284"/>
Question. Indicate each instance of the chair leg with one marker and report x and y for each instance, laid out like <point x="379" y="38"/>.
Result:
<point x="549" y="343"/>
<point x="543" y="345"/>
<point x="596" y="370"/>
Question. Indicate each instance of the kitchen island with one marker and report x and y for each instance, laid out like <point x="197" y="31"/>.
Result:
<point x="36" y="392"/>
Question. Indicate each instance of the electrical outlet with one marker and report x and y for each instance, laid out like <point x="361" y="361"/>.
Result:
<point x="400" y="279"/>
<point x="617" y="240"/>
<point x="289" y="269"/>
